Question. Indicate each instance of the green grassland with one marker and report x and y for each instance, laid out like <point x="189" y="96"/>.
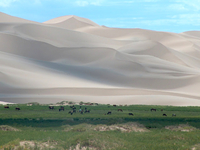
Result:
<point x="54" y="129"/>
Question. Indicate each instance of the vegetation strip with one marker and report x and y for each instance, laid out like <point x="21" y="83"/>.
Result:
<point x="39" y="127"/>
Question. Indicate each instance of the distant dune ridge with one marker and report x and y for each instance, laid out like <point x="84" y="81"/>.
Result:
<point x="71" y="58"/>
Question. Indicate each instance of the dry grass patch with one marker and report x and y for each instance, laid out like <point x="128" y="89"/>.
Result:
<point x="196" y="147"/>
<point x="181" y="127"/>
<point x="8" y="128"/>
<point x="127" y="127"/>
<point x="39" y="145"/>
<point x="79" y="147"/>
<point x="29" y="145"/>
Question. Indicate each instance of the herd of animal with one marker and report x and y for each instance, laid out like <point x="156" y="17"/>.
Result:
<point x="85" y="110"/>
<point x="173" y="115"/>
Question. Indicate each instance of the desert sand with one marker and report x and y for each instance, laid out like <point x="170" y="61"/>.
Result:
<point x="71" y="58"/>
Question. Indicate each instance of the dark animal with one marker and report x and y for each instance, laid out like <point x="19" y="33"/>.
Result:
<point x="120" y="110"/>
<point x="82" y="112"/>
<point x="6" y="106"/>
<point x="72" y="106"/>
<point x="114" y="105"/>
<point x="165" y="115"/>
<point x="61" y="108"/>
<point x="152" y="109"/>
<point x="71" y="112"/>
<point x="87" y="111"/>
<point x="109" y="113"/>
<point x="173" y="115"/>
<point x="17" y="108"/>
<point x="130" y="114"/>
<point x="161" y="109"/>
<point x="51" y="107"/>
<point x="85" y="108"/>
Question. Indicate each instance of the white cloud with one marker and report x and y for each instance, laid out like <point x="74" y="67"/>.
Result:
<point x="193" y="5"/>
<point x="6" y="3"/>
<point x="179" y="7"/>
<point x="84" y="3"/>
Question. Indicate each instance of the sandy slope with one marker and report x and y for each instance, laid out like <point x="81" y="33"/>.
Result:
<point x="74" y="59"/>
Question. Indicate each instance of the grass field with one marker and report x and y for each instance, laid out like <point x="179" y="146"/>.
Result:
<point x="37" y="127"/>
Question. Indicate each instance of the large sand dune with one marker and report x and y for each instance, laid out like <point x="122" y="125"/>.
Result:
<point x="74" y="59"/>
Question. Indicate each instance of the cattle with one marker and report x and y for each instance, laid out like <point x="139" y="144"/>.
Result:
<point x="152" y="109"/>
<point x="131" y="114"/>
<point x="6" y="106"/>
<point x="51" y="107"/>
<point x="165" y="115"/>
<point x="173" y="115"/>
<point x="87" y="111"/>
<point x="115" y="105"/>
<point x="82" y="112"/>
<point x="61" y="108"/>
<point x="17" y="108"/>
<point x="71" y="112"/>
<point x="120" y="110"/>
<point x="109" y="113"/>
<point x="72" y="106"/>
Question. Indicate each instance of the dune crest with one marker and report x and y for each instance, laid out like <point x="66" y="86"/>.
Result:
<point x="71" y="22"/>
<point x="74" y="59"/>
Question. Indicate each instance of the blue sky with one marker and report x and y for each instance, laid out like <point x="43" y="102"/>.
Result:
<point x="160" y="15"/>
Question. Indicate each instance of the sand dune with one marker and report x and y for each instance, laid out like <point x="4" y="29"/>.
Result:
<point x="74" y="59"/>
<point x="70" y="22"/>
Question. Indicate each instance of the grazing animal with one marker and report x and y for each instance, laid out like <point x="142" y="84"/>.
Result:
<point x="152" y="109"/>
<point x="82" y="112"/>
<point x="173" y="115"/>
<point x="130" y="114"/>
<point x="51" y="107"/>
<point x="71" y="112"/>
<point x="72" y="106"/>
<point x="87" y="111"/>
<point x="120" y="110"/>
<point x="115" y="105"/>
<point x="109" y="113"/>
<point x="6" y="106"/>
<point x="165" y="115"/>
<point x="17" y="108"/>
<point x="61" y="108"/>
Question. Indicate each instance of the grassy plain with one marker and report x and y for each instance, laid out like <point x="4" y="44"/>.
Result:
<point x="41" y="128"/>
